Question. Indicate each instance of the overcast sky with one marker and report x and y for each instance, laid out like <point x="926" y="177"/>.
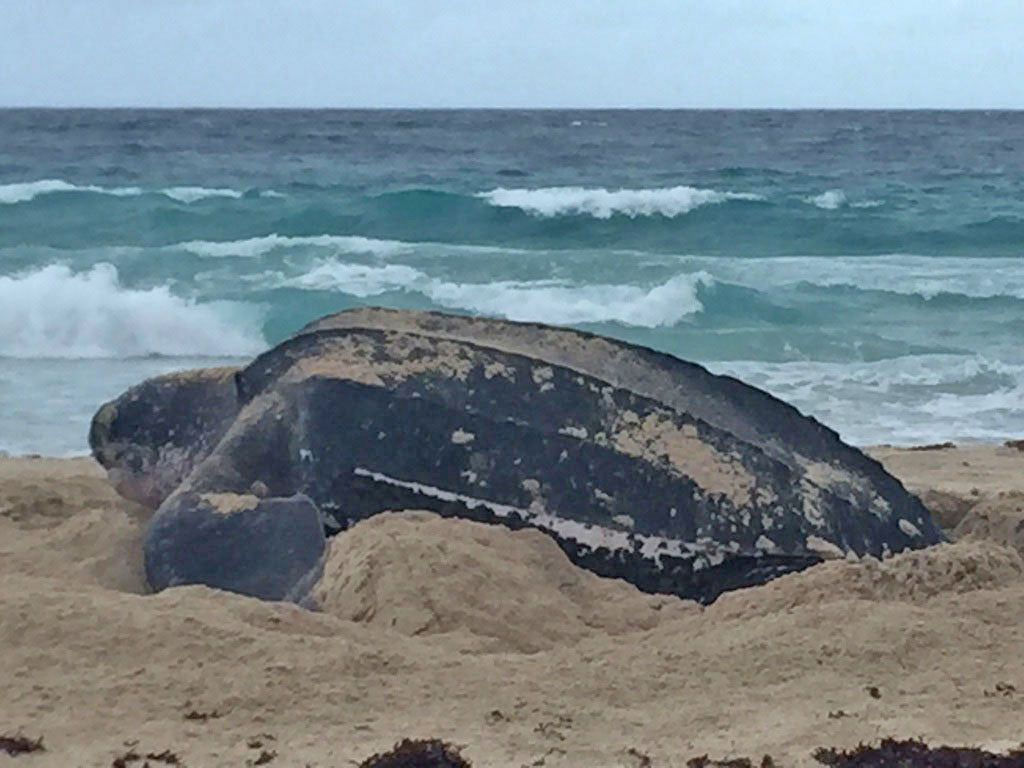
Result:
<point x="523" y="53"/>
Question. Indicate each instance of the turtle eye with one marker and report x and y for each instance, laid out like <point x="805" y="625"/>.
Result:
<point x="100" y="431"/>
<point x="133" y="458"/>
<point x="241" y="388"/>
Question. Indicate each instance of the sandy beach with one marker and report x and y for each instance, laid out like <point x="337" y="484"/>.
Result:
<point x="491" y="640"/>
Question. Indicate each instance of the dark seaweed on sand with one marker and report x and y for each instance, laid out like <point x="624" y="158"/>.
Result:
<point x="732" y="762"/>
<point x="427" y="753"/>
<point x="201" y="716"/>
<point x="890" y="753"/>
<point x="916" y="754"/>
<point x="19" y="745"/>
<point x="131" y="756"/>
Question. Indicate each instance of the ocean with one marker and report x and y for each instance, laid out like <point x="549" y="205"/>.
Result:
<point x="867" y="267"/>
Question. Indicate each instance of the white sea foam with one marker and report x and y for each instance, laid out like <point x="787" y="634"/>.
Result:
<point x="910" y="400"/>
<point x="661" y="305"/>
<point x="192" y="194"/>
<point x="832" y="199"/>
<point x="255" y="247"/>
<point x="542" y="300"/>
<point x="829" y="200"/>
<point x="25" y="191"/>
<point x="603" y="203"/>
<point x="29" y="190"/>
<point x="908" y="274"/>
<point x="57" y="313"/>
<point x="358" y="279"/>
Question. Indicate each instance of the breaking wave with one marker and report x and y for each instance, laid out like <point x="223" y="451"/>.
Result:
<point x="661" y="305"/>
<point x="829" y="200"/>
<point x="192" y="194"/>
<point x="912" y="400"/>
<point x="911" y="275"/>
<point x="255" y="247"/>
<point x="833" y="199"/>
<point x="55" y="312"/>
<point x="30" y="190"/>
<point x="24" y="192"/>
<point x="549" y="301"/>
<point x="358" y="279"/>
<point x="602" y="203"/>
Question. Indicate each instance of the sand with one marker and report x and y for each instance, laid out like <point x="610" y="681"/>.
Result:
<point x="492" y="640"/>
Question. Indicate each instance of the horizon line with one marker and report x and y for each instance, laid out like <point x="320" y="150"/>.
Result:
<point x="225" y="108"/>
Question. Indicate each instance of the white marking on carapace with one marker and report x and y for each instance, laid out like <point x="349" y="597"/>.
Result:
<point x="845" y="484"/>
<point x="704" y="552"/>
<point x="826" y="549"/>
<point x="909" y="528"/>
<point x="542" y="374"/>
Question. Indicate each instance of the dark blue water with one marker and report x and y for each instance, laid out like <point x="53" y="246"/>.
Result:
<point x="866" y="266"/>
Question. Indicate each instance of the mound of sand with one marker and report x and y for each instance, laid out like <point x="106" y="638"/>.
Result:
<point x="911" y="577"/>
<point x="420" y="574"/>
<point x="60" y="519"/>
<point x="998" y="518"/>
<point x="950" y="480"/>
<point x="44" y="493"/>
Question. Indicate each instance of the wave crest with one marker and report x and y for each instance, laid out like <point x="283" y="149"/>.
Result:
<point x="30" y="190"/>
<point x="928" y="277"/>
<point x="602" y="203"/>
<point x="913" y="400"/>
<point x="358" y="279"/>
<point x="545" y="301"/>
<point x="828" y="200"/>
<point x="57" y="313"/>
<point x="662" y="305"/>
<point x="26" y="191"/>
<point x="832" y="199"/>
<point x="255" y="247"/>
<point x="192" y="194"/>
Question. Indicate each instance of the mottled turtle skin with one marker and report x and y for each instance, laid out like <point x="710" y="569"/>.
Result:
<point x="640" y="465"/>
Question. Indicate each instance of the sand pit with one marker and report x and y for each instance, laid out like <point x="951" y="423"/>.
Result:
<point x="492" y="641"/>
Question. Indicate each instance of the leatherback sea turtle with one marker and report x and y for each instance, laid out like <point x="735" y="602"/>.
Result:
<point x="640" y="465"/>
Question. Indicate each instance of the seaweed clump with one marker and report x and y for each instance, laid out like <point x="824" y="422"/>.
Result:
<point x="732" y="762"/>
<point x="20" y="745"/>
<point x="131" y="756"/>
<point x="426" y="753"/>
<point x="912" y="753"/>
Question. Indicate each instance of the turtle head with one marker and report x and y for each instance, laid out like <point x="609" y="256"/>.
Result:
<point x="150" y="438"/>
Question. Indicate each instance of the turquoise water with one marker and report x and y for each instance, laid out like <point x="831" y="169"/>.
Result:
<point x="865" y="266"/>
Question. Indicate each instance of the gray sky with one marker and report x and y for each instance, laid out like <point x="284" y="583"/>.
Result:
<point x="539" y="53"/>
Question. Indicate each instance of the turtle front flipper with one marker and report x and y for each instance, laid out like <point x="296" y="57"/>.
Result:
<point x="238" y="522"/>
<point x="270" y="548"/>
